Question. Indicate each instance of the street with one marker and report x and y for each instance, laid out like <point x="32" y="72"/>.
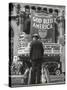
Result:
<point x="18" y="80"/>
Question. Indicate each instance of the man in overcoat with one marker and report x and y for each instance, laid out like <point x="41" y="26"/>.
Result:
<point x="36" y="56"/>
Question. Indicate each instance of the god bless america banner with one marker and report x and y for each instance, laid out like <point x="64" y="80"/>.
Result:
<point x="43" y="25"/>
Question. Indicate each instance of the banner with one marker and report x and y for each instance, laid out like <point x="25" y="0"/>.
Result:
<point x="43" y="25"/>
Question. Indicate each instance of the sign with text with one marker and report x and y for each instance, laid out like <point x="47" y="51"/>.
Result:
<point x="42" y="24"/>
<point x="52" y="48"/>
<point x="23" y="46"/>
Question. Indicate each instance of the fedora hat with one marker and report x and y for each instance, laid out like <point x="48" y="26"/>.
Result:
<point x="35" y="35"/>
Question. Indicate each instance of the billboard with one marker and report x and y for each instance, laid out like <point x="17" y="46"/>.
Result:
<point x="43" y="25"/>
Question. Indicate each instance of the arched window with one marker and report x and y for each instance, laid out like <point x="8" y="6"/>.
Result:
<point x="33" y="8"/>
<point x="27" y="9"/>
<point x="50" y="10"/>
<point x="44" y="10"/>
<point x="56" y="12"/>
<point x="39" y="9"/>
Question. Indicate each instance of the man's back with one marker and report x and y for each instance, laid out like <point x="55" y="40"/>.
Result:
<point x="36" y="50"/>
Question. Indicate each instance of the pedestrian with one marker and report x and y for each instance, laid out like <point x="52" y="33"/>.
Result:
<point x="36" y="56"/>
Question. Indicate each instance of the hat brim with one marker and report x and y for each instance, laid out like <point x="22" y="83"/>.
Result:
<point x="35" y="36"/>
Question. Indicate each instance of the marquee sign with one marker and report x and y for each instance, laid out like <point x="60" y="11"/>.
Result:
<point x="52" y="48"/>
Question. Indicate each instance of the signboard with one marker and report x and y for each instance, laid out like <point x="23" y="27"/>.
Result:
<point x="43" y="25"/>
<point x="52" y="48"/>
<point x="23" y="47"/>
